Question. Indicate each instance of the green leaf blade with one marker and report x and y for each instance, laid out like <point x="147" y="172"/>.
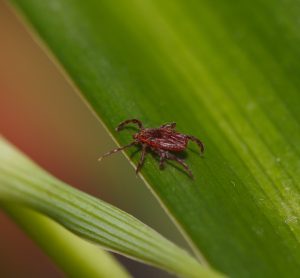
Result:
<point x="23" y="183"/>
<point x="218" y="70"/>
<point x="76" y="257"/>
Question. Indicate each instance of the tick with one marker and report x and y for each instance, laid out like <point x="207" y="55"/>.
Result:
<point x="165" y="141"/>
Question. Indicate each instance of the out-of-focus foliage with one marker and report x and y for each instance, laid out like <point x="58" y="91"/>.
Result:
<point x="23" y="183"/>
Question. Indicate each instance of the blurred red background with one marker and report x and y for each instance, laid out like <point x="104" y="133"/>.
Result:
<point x="42" y="115"/>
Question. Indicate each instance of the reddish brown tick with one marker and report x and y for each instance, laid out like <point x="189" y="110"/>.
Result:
<point x="164" y="141"/>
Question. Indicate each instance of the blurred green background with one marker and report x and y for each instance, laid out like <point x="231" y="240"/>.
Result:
<point x="65" y="139"/>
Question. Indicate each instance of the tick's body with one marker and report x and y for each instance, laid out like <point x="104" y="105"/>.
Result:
<point x="162" y="140"/>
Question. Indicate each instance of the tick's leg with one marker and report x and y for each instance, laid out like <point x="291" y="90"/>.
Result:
<point x="169" y="125"/>
<point x="141" y="162"/>
<point x="117" y="150"/>
<point x="171" y="156"/>
<point x="197" y="141"/>
<point x="162" y="159"/>
<point x="135" y="121"/>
